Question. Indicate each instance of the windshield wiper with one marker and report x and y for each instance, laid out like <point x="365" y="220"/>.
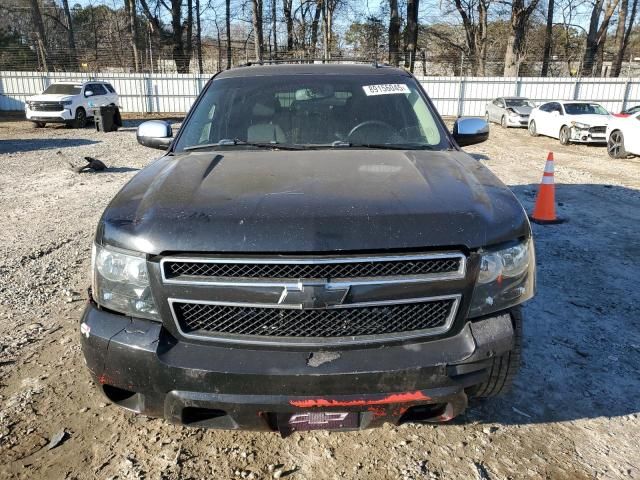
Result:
<point x="237" y="142"/>
<point x="383" y="146"/>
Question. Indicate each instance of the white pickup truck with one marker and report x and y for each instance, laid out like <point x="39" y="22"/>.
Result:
<point x="69" y="102"/>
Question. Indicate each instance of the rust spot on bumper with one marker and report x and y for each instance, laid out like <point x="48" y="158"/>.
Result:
<point x="406" y="397"/>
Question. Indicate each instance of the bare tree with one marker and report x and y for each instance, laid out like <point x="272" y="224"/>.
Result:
<point x="548" y="37"/>
<point x="257" y="28"/>
<point x="394" y="33"/>
<point x="411" y="33"/>
<point x="520" y="15"/>
<point x="475" y="17"/>
<point x="287" y="8"/>
<point x="596" y="34"/>
<point x="40" y="35"/>
<point x="274" y="29"/>
<point x="73" y="53"/>
<point x="132" y="21"/>
<point x="181" y="46"/>
<point x="228" y="26"/>
<point x="623" y="32"/>
<point x="199" y="37"/>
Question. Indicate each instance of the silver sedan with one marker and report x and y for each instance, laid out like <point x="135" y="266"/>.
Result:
<point x="509" y="111"/>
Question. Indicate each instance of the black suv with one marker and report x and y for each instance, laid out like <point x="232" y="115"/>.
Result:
<point x="313" y="251"/>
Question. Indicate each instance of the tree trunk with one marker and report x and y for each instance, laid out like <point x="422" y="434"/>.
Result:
<point x="520" y="15"/>
<point x="287" y="6"/>
<point x="228" y="26"/>
<point x="70" y="37"/>
<point x="394" y="33"/>
<point x="189" y="40"/>
<point x="622" y="34"/>
<point x="199" y="38"/>
<point x="132" y="23"/>
<point x="274" y="30"/>
<point x="548" y="37"/>
<point x="179" y="56"/>
<point x="411" y="38"/>
<point x="41" y="38"/>
<point x="480" y="39"/>
<point x="597" y="67"/>
<point x="314" y="29"/>
<point x="596" y="34"/>
<point x="326" y="29"/>
<point x="257" y="28"/>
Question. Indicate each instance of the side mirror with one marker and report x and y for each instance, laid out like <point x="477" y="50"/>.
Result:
<point x="155" y="134"/>
<point x="469" y="131"/>
<point x="88" y="93"/>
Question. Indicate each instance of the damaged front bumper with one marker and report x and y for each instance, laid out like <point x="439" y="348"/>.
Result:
<point x="141" y="367"/>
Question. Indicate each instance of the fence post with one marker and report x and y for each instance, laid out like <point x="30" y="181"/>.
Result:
<point x="148" y="91"/>
<point x="625" y="98"/>
<point x="576" y="88"/>
<point x="461" y="96"/>
<point x="518" y="86"/>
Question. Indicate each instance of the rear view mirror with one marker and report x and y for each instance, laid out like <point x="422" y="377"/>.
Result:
<point x="469" y="131"/>
<point x="155" y="134"/>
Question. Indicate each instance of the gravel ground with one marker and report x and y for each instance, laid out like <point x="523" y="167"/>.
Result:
<point x="574" y="412"/>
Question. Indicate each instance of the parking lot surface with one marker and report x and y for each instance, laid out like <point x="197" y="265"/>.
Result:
<point x="574" y="412"/>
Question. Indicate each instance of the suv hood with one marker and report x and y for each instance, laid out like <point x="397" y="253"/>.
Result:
<point x="50" y="98"/>
<point x="312" y="201"/>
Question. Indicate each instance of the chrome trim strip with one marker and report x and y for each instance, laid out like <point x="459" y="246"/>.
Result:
<point x="322" y="341"/>
<point x="338" y="282"/>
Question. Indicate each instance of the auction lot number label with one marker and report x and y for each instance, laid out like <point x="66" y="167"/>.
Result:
<point x="385" y="89"/>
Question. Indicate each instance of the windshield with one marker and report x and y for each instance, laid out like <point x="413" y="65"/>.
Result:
<point x="305" y="111"/>
<point x="63" y="89"/>
<point x="584" y="109"/>
<point x="518" y="102"/>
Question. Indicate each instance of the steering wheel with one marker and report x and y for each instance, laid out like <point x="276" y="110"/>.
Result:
<point x="371" y="123"/>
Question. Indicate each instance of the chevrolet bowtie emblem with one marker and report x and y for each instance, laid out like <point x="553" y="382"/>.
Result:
<point x="320" y="295"/>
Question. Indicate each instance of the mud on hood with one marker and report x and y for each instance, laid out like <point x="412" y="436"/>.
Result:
<point x="312" y="201"/>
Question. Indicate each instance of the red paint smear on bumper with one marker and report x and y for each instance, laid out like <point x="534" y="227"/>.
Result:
<point x="394" y="398"/>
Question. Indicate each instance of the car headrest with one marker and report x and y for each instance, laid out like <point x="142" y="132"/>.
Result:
<point x="264" y="109"/>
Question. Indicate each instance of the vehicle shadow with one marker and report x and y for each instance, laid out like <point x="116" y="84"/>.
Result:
<point x="34" y="144"/>
<point x="581" y="353"/>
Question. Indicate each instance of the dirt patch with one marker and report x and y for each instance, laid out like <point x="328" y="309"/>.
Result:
<point x="574" y="412"/>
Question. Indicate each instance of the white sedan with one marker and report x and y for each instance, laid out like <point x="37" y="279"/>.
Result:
<point x="570" y="121"/>
<point x="623" y="136"/>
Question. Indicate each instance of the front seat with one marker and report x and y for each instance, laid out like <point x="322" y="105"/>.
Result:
<point x="263" y="129"/>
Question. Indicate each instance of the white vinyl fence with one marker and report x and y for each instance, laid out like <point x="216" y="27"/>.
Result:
<point x="453" y="96"/>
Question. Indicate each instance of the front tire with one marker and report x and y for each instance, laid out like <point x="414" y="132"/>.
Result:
<point x="80" y="120"/>
<point x="503" y="122"/>
<point x="615" y="145"/>
<point x="39" y="124"/>
<point x="565" y="136"/>
<point x="486" y="117"/>
<point x="532" y="128"/>
<point x="504" y="368"/>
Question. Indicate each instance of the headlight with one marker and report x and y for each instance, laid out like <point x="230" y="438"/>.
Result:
<point x="506" y="278"/>
<point x="581" y="126"/>
<point x="512" y="112"/>
<point x="121" y="282"/>
<point x="67" y="102"/>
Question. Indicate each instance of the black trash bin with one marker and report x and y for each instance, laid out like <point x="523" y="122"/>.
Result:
<point x="107" y="118"/>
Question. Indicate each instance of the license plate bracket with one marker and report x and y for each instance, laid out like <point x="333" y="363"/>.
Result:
<point x="307" y="421"/>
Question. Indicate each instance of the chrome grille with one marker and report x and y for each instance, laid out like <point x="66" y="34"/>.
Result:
<point x="324" y="268"/>
<point x="598" y="130"/>
<point x="46" y="106"/>
<point x="200" y="318"/>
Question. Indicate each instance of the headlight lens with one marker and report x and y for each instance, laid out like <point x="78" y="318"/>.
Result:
<point x="121" y="282"/>
<point x="581" y="126"/>
<point x="67" y="102"/>
<point x="506" y="278"/>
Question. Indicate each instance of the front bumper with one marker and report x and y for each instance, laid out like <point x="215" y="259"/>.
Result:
<point x="517" y="121"/>
<point x="141" y="367"/>
<point x="49" y="117"/>
<point x="579" y="135"/>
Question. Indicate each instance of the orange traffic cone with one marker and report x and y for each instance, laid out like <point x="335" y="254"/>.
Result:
<point x="544" y="211"/>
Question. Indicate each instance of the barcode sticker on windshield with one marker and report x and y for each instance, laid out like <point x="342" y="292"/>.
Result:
<point x="385" y="89"/>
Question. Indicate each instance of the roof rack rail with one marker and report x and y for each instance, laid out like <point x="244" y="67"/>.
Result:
<point x="275" y="61"/>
